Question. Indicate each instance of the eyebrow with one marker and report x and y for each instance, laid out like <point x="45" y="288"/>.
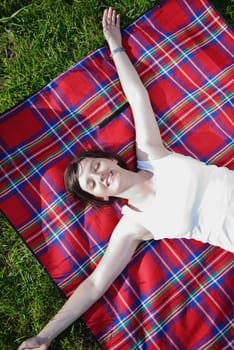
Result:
<point x="87" y="182"/>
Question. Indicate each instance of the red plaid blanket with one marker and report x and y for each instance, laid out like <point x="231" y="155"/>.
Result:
<point x="175" y="294"/>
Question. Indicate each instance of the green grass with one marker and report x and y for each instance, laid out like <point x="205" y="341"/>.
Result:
<point x="39" y="40"/>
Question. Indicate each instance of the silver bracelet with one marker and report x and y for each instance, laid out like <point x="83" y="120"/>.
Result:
<point x="118" y="49"/>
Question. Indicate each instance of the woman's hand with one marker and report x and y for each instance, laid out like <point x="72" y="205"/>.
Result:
<point x="111" y="28"/>
<point x="35" y="343"/>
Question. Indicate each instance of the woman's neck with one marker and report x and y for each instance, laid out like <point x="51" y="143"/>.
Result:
<point x="140" y="187"/>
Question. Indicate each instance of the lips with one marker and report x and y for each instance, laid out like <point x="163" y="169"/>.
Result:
<point x="109" y="179"/>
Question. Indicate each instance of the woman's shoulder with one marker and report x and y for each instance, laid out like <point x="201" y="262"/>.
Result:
<point x="169" y="160"/>
<point x="128" y="226"/>
<point x="149" y="164"/>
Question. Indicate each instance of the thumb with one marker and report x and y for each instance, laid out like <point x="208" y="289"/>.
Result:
<point x="33" y="343"/>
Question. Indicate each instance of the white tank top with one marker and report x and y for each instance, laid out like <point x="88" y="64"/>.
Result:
<point x="193" y="200"/>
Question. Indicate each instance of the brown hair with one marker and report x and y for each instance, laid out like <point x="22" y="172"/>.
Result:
<point x="72" y="183"/>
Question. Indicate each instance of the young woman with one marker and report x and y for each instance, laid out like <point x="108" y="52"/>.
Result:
<point x="169" y="193"/>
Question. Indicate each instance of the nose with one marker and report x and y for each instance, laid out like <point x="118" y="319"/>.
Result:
<point x="99" y="177"/>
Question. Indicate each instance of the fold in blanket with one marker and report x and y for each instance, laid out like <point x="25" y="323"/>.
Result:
<point x="174" y="294"/>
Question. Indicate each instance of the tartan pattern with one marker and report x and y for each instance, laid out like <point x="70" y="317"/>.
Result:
<point x="174" y="294"/>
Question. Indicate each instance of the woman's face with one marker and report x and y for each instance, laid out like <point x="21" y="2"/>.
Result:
<point x="100" y="177"/>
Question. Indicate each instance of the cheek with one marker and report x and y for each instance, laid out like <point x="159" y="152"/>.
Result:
<point x="98" y="191"/>
<point x="82" y="186"/>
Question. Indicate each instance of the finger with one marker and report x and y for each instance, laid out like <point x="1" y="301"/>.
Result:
<point x="104" y="17"/>
<point x="113" y="17"/>
<point x="109" y="15"/>
<point x="22" y="347"/>
<point x="118" y="21"/>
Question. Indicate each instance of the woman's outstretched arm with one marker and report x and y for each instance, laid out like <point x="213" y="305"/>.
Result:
<point x="148" y="139"/>
<point x="120" y="250"/>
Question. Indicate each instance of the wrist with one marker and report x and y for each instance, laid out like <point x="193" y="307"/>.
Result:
<point x="117" y="50"/>
<point x="114" y="44"/>
<point x="45" y="338"/>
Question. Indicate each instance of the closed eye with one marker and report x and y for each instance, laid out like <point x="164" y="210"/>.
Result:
<point x="96" y="166"/>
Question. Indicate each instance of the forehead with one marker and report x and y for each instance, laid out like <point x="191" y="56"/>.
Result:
<point x="83" y="166"/>
<point x="83" y="171"/>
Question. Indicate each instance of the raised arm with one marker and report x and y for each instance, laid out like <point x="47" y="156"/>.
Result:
<point x="148" y="139"/>
<point x="120" y="250"/>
